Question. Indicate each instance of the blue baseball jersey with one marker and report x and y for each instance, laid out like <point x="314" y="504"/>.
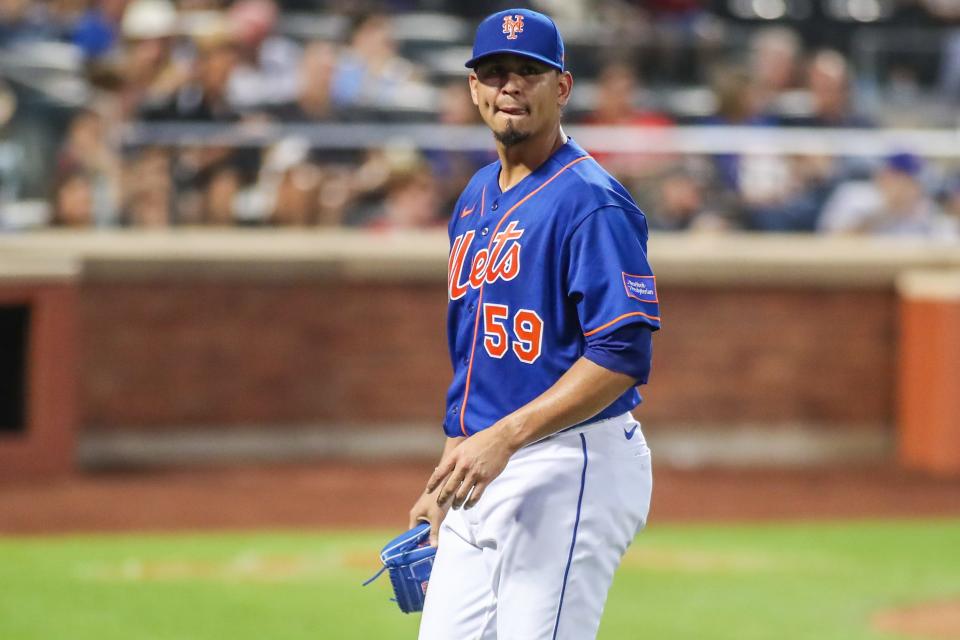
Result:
<point x="533" y="274"/>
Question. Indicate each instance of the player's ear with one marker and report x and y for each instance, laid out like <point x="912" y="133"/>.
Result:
<point x="473" y="88"/>
<point x="564" y="87"/>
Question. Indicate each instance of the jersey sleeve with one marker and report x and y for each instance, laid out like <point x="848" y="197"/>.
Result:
<point x="608" y="275"/>
<point x="627" y="350"/>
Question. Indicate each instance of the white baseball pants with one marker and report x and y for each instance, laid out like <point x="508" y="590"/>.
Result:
<point x="534" y="559"/>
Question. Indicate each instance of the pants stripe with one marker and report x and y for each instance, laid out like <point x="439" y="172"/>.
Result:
<point x="573" y="542"/>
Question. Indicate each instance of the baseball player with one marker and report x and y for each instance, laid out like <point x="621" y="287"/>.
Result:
<point x="551" y="308"/>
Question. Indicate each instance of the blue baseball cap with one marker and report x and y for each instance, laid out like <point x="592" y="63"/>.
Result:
<point x="521" y="32"/>
<point x="905" y="162"/>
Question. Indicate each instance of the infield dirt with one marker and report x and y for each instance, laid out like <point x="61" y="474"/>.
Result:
<point x="932" y="620"/>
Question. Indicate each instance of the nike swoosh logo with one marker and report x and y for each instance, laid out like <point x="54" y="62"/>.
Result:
<point x="629" y="434"/>
<point x="466" y="212"/>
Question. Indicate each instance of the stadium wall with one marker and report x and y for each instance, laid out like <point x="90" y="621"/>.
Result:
<point x="269" y="330"/>
<point x="161" y="353"/>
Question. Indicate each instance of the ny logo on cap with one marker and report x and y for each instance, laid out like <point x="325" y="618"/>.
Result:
<point x="512" y="25"/>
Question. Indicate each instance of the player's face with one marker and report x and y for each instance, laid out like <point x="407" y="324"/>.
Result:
<point x="519" y="97"/>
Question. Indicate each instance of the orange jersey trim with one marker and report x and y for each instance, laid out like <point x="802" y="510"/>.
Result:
<point x="618" y="319"/>
<point x="476" y="319"/>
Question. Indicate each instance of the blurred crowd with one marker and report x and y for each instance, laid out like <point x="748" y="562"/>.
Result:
<point x="254" y="62"/>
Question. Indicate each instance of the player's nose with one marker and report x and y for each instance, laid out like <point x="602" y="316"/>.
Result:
<point x="512" y="82"/>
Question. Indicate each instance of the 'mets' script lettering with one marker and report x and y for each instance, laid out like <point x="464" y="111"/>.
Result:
<point x="499" y="261"/>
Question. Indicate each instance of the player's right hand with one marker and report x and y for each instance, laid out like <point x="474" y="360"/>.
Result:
<point x="426" y="509"/>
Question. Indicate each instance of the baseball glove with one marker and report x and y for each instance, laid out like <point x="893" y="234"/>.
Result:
<point x="409" y="559"/>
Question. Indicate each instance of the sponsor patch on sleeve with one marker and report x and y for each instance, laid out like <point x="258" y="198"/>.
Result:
<point x="642" y="288"/>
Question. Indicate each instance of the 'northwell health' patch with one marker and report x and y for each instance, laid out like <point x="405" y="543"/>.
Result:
<point x="642" y="288"/>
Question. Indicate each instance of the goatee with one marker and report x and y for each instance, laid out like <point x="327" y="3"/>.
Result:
<point x="510" y="136"/>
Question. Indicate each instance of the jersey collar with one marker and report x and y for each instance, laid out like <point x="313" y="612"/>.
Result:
<point x="564" y="154"/>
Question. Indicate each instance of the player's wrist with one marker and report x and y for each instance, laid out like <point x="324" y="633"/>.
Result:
<point x="513" y="432"/>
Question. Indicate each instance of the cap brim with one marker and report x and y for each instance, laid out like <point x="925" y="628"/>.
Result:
<point x="472" y="62"/>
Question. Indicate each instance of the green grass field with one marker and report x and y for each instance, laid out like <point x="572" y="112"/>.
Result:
<point x="776" y="581"/>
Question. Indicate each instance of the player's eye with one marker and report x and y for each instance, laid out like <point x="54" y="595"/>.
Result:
<point x="490" y="71"/>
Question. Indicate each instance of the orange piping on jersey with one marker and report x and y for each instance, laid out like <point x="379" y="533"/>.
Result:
<point x="476" y="319"/>
<point x="483" y="202"/>
<point x="616" y="320"/>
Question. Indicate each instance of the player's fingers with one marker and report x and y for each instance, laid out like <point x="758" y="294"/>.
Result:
<point x="475" y="494"/>
<point x="417" y="516"/>
<point x="441" y="471"/>
<point x="434" y="523"/>
<point x="463" y="493"/>
<point x="452" y="484"/>
<point x="434" y="532"/>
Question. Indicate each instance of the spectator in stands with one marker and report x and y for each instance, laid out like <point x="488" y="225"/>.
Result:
<point x="787" y="194"/>
<point x="394" y="188"/>
<point x="97" y="30"/>
<point x="204" y="96"/>
<point x="209" y="178"/>
<point x="895" y="203"/>
<point x="738" y="104"/>
<point x="737" y="98"/>
<point x="681" y="204"/>
<point x="73" y="200"/>
<point x="223" y="187"/>
<point x="774" y="65"/>
<point x="209" y="181"/>
<point x="370" y="73"/>
<point x="150" y="74"/>
<point x="456" y="105"/>
<point x="86" y="151"/>
<point x="287" y="187"/>
<point x="334" y="194"/>
<point x="297" y="194"/>
<point x="148" y="187"/>
<point x="365" y="185"/>
<point x="828" y="81"/>
<point x="316" y="71"/>
<point x="267" y="74"/>
<point x="412" y="200"/>
<point x="616" y="100"/>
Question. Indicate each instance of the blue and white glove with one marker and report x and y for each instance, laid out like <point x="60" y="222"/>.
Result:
<point x="409" y="559"/>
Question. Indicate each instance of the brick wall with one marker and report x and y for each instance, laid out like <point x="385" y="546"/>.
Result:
<point x="245" y="353"/>
<point x="774" y="355"/>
